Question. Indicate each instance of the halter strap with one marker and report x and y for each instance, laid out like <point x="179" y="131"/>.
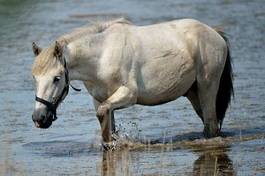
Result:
<point x="52" y="106"/>
<point x="75" y="89"/>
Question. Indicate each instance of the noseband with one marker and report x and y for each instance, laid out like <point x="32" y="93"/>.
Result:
<point x="52" y="106"/>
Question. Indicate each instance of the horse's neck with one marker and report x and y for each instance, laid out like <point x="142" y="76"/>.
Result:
<point x="85" y="52"/>
<point x="83" y="58"/>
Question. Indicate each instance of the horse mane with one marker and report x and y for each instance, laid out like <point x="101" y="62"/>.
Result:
<point x="45" y="60"/>
<point x="96" y="27"/>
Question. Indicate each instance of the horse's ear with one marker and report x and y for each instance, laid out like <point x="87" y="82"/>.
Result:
<point x="58" y="49"/>
<point x="36" y="49"/>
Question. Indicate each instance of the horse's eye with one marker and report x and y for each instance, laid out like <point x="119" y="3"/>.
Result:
<point x="56" y="79"/>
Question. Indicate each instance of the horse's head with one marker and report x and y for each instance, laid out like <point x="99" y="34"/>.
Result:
<point x="52" y="83"/>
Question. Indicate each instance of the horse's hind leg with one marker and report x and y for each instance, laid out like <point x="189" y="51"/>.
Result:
<point x="193" y="97"/>
<point x="203" y="102"/>
<point x="207" y="96"/>
<point x="210" y="65"/>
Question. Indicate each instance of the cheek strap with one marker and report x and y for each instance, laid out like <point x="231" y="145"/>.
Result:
<point x="52" y="106"/>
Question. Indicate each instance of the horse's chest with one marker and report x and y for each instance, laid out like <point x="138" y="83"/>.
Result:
<point x="100" y="93"/>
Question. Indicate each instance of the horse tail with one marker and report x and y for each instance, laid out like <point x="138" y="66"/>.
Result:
<point x="226" y="90"/>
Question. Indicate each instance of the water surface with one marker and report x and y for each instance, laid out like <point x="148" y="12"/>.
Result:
<point x="72" y="145"/>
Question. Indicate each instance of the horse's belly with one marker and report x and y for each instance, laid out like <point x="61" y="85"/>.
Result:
<point x="164" y="81"/>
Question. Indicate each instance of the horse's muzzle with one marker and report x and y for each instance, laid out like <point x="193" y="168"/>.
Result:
<point x="42" y="121"/>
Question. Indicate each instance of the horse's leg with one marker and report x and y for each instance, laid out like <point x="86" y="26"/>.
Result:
<point x="207" y="96"/>
<point x="113" y="128"/>
<point x="192" y="95"/>
<point x="210" y="65"/>
<point x="107" y="124"/>
<point x="123" y="97"/>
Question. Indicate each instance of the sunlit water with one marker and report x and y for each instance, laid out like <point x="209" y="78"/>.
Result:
<point x="72" y="145"/>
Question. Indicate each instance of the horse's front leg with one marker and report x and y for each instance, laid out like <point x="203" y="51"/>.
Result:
<point x="111" y="116"/>
<point x="123" y="97"/>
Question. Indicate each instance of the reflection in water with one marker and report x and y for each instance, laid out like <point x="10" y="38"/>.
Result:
<point x="116" y="162"/>
<point x="108" y="164"/>
<point x="213" y="162"/>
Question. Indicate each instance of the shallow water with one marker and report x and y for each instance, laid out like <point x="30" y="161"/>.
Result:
<point x="72" y="145"/>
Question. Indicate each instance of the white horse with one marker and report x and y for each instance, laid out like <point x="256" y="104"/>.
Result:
<point x="122" y="64"/>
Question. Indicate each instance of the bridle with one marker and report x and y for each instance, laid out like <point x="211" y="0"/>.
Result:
<point x="52" y="106"/>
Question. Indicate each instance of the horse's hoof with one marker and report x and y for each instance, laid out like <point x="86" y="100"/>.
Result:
<point x="210" y="133"/>
<point x="109" y="146"/>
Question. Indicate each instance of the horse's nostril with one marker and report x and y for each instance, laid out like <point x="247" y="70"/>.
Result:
<point x="38" y="116"/>
<point x="42" y="117"/>
<point x="34" y="118"/>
